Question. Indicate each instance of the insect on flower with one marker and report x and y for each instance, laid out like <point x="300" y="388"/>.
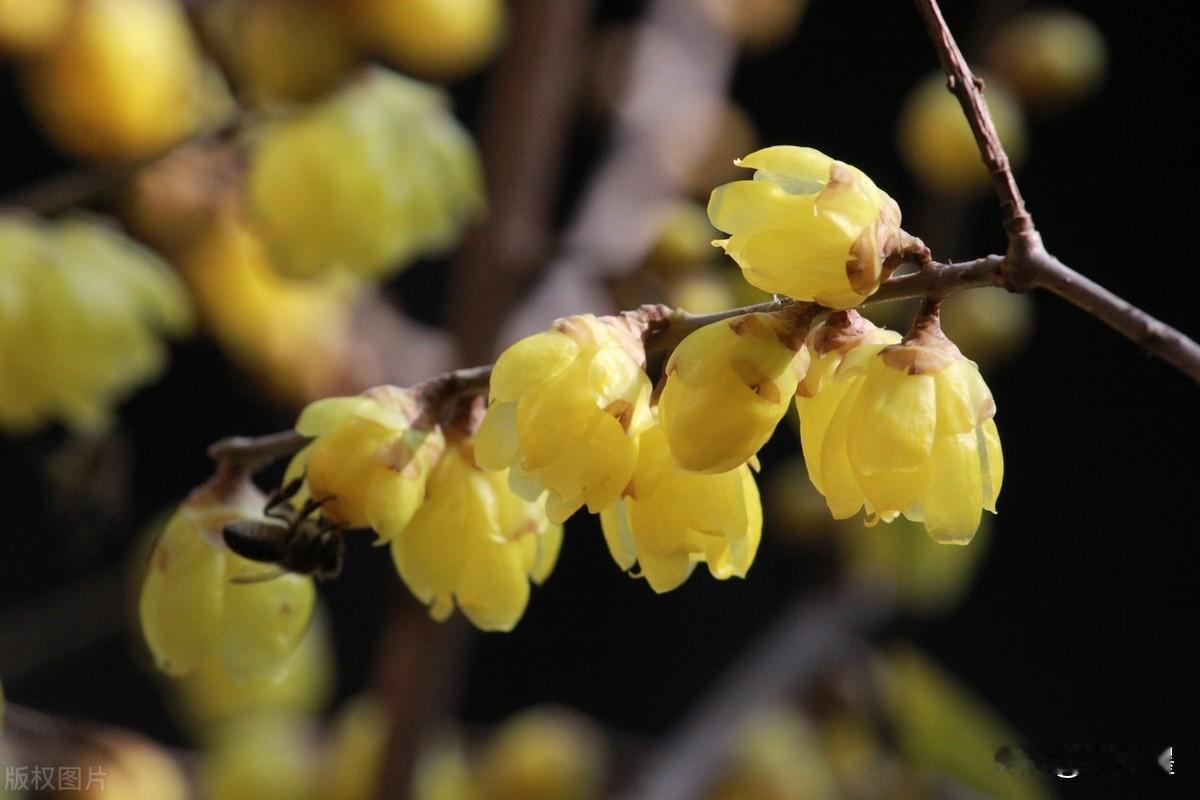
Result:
<point x="305" y="544"/>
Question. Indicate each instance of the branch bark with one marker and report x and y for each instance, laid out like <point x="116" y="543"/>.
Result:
<point x="1027" y="263"/>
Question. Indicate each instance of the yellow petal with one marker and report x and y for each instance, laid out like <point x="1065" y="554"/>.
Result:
<point x="992" y="463"/>
<point x="531" y="362"/>
<point x="496" y="439"/>
<point x="963" y="399"/>
<point x="893" y="421"/>
<point x="954" y="498"/>
<point x="614" y="521"/>
<point x="791" y="161"/>
<point x="749" y="207"/>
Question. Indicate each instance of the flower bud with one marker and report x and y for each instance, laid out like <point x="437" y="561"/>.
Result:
<point x="807" y="226"/>
<point x="370" y="461"/>
<point x="728" y="385"/>
<point x="671" y="519"/>
<point x="565" y="409"/>
<point x="475" y="542"/>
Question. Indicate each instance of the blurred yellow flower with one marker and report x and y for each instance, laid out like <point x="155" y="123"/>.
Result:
<point x="293" y="333"/>
<point x="123" y="82"/>
<point x="370" y="460"/>
<point x="544" y="753"/>
<point x="905" y="429"/>
<point x="438" y="39"/>
<point x="727" y="386"/>
<point x="936" y="143"/>
<point x="302" y="683"/>
<point x="82" y="308"/>
<point x="670" y="519"/>
<point x="475" y="543"/>
<point x="565" y="410"/>
<point x="367" y="180"/>
<point x="27" y="27"/>
<point x="807" y="226"/>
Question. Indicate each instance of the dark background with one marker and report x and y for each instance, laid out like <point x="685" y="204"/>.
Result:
<point x="1076" y="627"/>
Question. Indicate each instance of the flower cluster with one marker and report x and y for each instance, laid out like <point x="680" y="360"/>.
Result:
<point x="899" y="426"/>
<point x="471" y="499"/>
<point x="82" y="310"/>
<point x="458" y="535"/>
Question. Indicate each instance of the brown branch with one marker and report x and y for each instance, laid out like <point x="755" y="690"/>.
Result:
<point x="1027" y="263"/>
<point x="60" y="192"/>
<point x="935" y="280"/>
<point x="530" y="104"/>
<point x="969" y="91"/>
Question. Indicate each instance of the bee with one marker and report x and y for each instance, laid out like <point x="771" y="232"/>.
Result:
<point x="292" y="538"/>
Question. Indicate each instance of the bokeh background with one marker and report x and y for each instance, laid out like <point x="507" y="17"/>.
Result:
<point x="1073" y="629"/>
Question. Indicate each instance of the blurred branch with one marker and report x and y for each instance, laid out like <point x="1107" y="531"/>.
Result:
<point x="1027" y="263"/>
<point x="679" y="71"/>
<point x="78" y="186"/>
<point x="810" y="635"/>
<point x="530" y="103"/>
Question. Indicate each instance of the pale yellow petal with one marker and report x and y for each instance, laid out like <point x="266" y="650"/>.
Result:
<point x="531" y="362"/>
<point x="748" y="207"/>
<point x="496" y="440"/>
<point x="614" y="521"/>
<point x="794" y="162"/>
<point x="954" y="498"/>
<point x="893" y="421"/>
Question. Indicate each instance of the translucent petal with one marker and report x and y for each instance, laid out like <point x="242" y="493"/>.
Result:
<point x="325" y="415"/>
<point x="749" y="207"/>
<point x="954" y="498"/>
<point x="496" y="440"/>
<point x="963" y="399"/>
<point x="992" y="463"/>
<point x="792" y="161"/>
<point x="531" y="362"/>
<point x="893" y="421"/>
<point x="614" y="521"/>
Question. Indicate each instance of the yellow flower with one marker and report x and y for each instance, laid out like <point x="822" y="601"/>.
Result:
<point x="672" y="519"/>
<point x="123" y="81"/>
<point x="906" y="429"/>
<point x="807" y="226"/>
<point x="81" y="312"/>
<point x="544" y="753"/>
<point x="292" y="333"/>
<point x="728" y="385"/>
<point x="565" y="410"/>
<point x="366" y="181"/>
<point x="26" y="28"/>
<point x="370" y="461"/>
<point x="839" y="349"/>
<point x="476" y="543"/>
<point x="191" y="608"/>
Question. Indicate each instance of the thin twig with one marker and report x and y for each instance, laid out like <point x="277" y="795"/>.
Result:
<point x="60" y="192"/>
<point x="1027" y="263"/>
<point x="935" y="280"/>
